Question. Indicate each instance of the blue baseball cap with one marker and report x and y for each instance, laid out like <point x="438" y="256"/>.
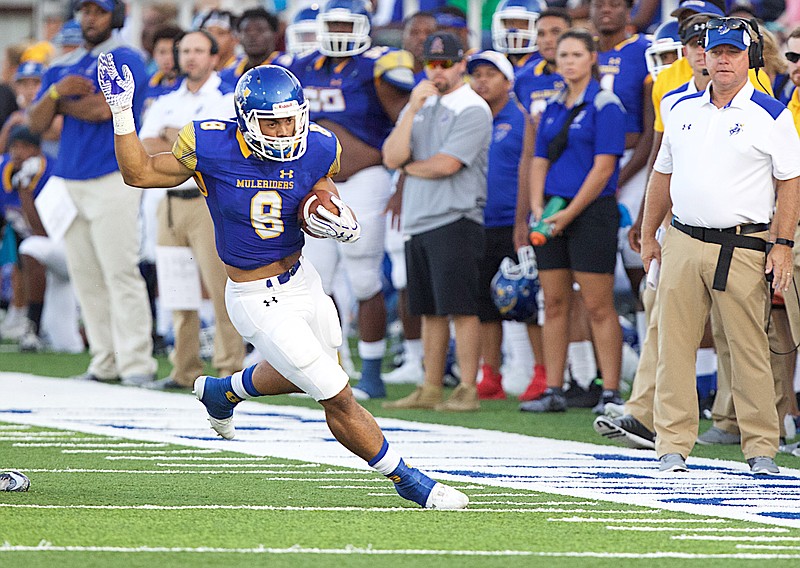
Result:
<point x="107" y="5"/>
<point x="70" y="34"/>
<point x="738" y="38"/>
<point x="697" y="6"/>
<point x="29" y="70"/>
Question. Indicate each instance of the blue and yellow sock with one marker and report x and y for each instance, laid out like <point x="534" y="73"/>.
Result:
<point x="409" y="482"/>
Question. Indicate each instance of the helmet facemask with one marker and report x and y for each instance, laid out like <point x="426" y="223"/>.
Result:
<point x="654" y="55"/>
<point x="277" y="148"/>
<point x="514" y="40"/>
<point x="343" y="44"/>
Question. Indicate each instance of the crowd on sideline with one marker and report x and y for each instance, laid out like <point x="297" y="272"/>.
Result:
<point x="501" y="195"/>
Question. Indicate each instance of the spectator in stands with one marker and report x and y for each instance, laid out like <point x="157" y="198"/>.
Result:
<point x="69" y="37"/>
<point x="103" y="240"/>
<point x="580" y="139"/>
<point x="256" y="31"/>
<point x="165" y="78"/>
<point x="222" y="25"/>
<point x="183" y="218"/>
<point x="443" y="199"/>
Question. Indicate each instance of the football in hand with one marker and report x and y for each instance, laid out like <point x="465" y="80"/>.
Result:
<point x="309" y="203"/>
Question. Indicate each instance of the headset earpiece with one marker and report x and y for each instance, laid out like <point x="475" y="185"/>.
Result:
<point x="118" y="15"/>
<point x="214" y="49"/>
<point x="755" y="52"/>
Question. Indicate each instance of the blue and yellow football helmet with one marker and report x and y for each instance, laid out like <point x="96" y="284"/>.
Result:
<point x="301" y="34"/>
<point x="516" y="285"/>
<point x="336" y="43"/>
<point x="510" y="37"/>
<point x="270" y="92"/>
<point x="666" y="40"/>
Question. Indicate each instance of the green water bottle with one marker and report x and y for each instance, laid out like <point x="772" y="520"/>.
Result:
<point x="540" y="230"/>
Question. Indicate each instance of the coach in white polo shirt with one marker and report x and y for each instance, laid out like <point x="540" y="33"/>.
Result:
<point x="715" y="168"/>
<point x="183" y="218"/>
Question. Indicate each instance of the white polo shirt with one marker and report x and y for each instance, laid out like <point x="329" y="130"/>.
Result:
<point x="722" y="160"/>
<point x="214" y="100"/>
<point x="669" y="100"/>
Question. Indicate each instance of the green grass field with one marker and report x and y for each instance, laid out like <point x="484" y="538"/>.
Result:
<point x="105" y="501"/>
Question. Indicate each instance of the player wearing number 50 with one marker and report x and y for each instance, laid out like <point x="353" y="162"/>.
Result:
<point x="254" y="172"/>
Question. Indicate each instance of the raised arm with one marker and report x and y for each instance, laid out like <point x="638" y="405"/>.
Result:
<point x="138" y="168"/>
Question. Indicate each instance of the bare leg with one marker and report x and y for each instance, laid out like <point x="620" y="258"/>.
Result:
<point x="537" y="343"/>
<point x="372" y="318"/>
<point x="352" y="425"/>
<point x="598" y="294"/>
<point x="491" y="339"/>
<point x="412" y="324"/>
<point x="557" y="286"/>
<point x="468" y="338"/>
<point x="435" y="337"/>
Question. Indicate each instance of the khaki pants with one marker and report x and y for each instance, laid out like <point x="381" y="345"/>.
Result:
<point x="187" y="223"/>
<point x="640" y="404"/>
<point x="102" y="247"/>
<point x="685" y="301"/>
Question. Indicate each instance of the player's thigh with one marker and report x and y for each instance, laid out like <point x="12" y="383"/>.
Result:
<point x="324" y="255"/>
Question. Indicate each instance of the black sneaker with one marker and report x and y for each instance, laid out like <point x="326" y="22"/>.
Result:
<point x="626" y="431"/>
<point x="578" y="397"/>
<point x="552" y="400"/>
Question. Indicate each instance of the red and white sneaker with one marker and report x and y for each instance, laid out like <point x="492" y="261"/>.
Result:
<point x="491" y="385"/>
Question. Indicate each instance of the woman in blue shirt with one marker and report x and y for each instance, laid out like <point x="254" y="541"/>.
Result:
<point x="578" y="162"/>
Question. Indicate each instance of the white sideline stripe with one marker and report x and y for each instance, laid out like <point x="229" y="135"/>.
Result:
<point x="697" y="529"/>
<point x="632" y="520"/>
<point x="352" y="550"/>
<point x="767" y="547"/>
<point x="205" y="472"/>
<point x="15" y="427"/>
<point x="106" y="445"/>
<point x="321" y="472"/>
<point x="157" y="451"/>
<point x="44" y="434"/>
<point x="546" y="504"/>
<point x="735" y="538"/>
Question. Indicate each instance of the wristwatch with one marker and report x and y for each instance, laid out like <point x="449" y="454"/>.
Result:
<point x="787" y="242"/>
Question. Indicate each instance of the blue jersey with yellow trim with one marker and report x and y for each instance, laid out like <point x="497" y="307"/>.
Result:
<point x="158" y="85"/>
<point x="344" y="91"/>
<point x="253" y="202"/>
<point x="623" y="70"/>
<point x="230" y="75"/>
<point x="9" y="197"/>
<point x="527" y="61"/>
<point x="535" y="85"/>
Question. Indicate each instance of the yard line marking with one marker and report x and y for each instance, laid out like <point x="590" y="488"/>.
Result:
<point x="767" y="547"/>
<point x="551" y="504"/>
<point x="697" y="529"/>
<point x="326" y="471"/>
<point x="106" y="445"/>
<point x="205" y="472"/>
<point x="6" y="436"/>
<point x="156" y="451"/>
<point x="353" y="550"/>
<point x="735" y="538"/>
<point x="15" y="427"/>
<point x="200" y="458"/>
<point x="632" y="520"/>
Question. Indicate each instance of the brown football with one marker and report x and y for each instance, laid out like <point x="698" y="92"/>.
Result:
<point x="309" y="203"/>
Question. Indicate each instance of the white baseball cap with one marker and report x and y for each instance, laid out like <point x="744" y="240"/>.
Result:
<point x="498" y="60"/>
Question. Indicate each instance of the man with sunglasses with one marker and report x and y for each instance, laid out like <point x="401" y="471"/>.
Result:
<point x="721" y="150"/>
<point x="793" y="56"/>
<point x="441" y="143"/>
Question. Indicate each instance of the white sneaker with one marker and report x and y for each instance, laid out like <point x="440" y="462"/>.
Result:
<point x="410" y="372"/>
<point x="30" y="342"/>
<point x="14" y="325"/>
<point x="445" y="497"/>
<point x="613" y="410"/>
<point x="224" y="426"/>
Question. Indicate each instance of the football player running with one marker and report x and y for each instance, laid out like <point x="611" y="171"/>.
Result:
<point x="254" y="171"/>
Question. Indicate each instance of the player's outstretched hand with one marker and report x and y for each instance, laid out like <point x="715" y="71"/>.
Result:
<point x="117" y="89"/>
<point x="342" y="227"/>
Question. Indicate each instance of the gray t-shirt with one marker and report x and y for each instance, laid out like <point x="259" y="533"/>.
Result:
<point x="458" y="124"/>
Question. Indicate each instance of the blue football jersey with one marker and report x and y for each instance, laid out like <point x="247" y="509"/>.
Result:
<point x="253" y="202"/>
<point x="344" y="92"/>
<point x="9" y="197"/>
<point x="534" y="85"/>
<point x="525" y="62"/>
<point x="623" y="70"/>
<point x="231" y="74"/>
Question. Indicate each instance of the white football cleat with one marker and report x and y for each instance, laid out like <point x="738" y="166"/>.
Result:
<point x="445" y="497"/>
<point x="222" y="426"/>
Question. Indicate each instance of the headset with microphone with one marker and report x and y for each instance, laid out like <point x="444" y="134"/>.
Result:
<point x="755" y="49"/>
<point x="214" y="49"/>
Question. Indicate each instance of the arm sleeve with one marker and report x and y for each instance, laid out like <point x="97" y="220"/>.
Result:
<point x="471" y="126"/>
<point x="784" y="147"/>
<point x="610" y="124"/>
<point x="185" y="147"/>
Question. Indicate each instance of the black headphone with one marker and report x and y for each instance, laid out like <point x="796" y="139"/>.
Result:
<point x="118" y="15"/>
<point x="176" y="46"/>
<point x="755" y="51"/>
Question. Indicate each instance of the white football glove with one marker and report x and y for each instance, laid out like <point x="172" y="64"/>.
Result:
<point x="343" y="227"/>
<point x="30" y="167"/>
<point x="117" y="90"/>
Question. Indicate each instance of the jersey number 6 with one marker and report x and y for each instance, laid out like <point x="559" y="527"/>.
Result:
<point x="265" y="214"/>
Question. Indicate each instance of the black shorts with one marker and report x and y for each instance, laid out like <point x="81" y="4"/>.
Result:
<point x="442" y="267"/>
<point x="499" y="245"/>
<point x="588" y="244"/>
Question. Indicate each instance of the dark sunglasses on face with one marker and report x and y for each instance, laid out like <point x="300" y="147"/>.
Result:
<point x="444" y="64"/>
<point x="792" y="56"/>
<point x="726" y="24"/>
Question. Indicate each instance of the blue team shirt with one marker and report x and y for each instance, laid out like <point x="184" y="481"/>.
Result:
<point x="504" y="154"/>
<point x="158" y="86"/>
<point x="230" y="75"/>
<point x="87" y="148"/>
<point x="253" y="202"/>
<point x="534" y="85"/>
<point x="623" y="70"/>
<point x="9" y="197"/>
<point x="344" y="92"/>
<point x="527" y="61"/>
<point x="598" y="129"/>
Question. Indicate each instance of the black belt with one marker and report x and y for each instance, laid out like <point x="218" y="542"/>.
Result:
<point x="729" y="238"/>
<point x="183" y="193"/>
<point x="284" y="277"/>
